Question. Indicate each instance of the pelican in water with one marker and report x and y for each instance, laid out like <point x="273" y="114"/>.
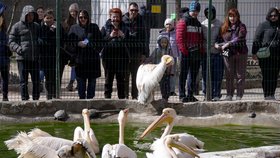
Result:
<point x="87" y="133"/>
<point x="165" y="148"/>
<point x="119" y="150"/>
<point x="27" y="148"/>
<point x="169" y="115"/>
<point x="149" y="76"/>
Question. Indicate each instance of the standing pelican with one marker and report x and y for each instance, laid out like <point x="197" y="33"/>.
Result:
<point x="149" y="76"/>
<point x="168" y="116"/>
<point x="27" y="148"/>
<point x="87" y="133"/>
<point x="165" y="148"/>
<point x="119" y="150"/>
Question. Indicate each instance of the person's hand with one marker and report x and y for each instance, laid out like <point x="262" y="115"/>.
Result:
<point x="254" y="57"/>
<point x="120" y="33"/>
<point x="82" y="44"/>
<point x="225" y="46"/>
<point x="114" y="34"/>
<point x="217" y="46"/>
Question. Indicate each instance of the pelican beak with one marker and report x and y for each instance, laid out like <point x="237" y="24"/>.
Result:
<point x="163" y="118"/>
<point x="183" y="148"/>
<point x="126" y="110"/>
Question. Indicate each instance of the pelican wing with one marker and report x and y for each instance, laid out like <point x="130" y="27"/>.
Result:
<point x="24" y="146"/>
<point x="143" y="72"/>
<point x="53" y="142"/>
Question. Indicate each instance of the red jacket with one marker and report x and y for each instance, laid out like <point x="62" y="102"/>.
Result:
<point x="189" y="36"/>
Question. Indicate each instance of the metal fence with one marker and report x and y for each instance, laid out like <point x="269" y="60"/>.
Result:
<point x="252" y="13"/>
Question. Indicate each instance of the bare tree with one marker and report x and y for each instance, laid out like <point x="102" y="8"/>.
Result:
<point x="13" y="14"/>
<point x="178" y="7"/>
<point x="230" y="4"/>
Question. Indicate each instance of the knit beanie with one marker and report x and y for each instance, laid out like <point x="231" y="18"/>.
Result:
<point x="169" y="21"/>
<point x="2" y="8"/>
<point x="74" y="7"/>
<point x="194" y="6"/>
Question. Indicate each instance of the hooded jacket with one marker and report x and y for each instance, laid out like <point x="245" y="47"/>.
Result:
<point x="24" y="37"/>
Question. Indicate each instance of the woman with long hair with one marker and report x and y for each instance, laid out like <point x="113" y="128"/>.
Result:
<point x="233" y="33"/>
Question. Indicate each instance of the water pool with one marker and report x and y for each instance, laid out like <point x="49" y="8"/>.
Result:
<point x="216" y="138"/>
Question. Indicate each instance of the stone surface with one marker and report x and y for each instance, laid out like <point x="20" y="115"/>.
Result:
<point x="190" y="114"/>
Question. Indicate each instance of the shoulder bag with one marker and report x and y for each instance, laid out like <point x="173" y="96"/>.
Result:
<point x="264" y="52"/>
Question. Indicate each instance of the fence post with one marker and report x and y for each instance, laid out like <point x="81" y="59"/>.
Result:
<point x="58" y="22"/>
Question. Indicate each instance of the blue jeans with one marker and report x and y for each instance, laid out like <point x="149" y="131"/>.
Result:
<point x="73" y="74"/>
<point x="90" y="88"/>
<point x="217" y="73"/>
<point x="42" y="75"/>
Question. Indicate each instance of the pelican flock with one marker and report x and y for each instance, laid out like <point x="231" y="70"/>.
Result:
<point x="38" y="142"/>
<point x="149" y="76"/>
<point x="168" y="116"/>
<point x="119" y="150"/>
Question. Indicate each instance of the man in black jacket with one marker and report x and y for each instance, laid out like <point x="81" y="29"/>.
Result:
<point x="24" y="40"/>
<point x="136" y="45"/>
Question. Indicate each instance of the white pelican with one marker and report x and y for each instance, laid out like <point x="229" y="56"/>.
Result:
<point x="27" y="148"/>
<point x="119" y="150"/>
<point x="165" y="148"/>
<point x="149" y="76"/>
<point x="87" y="133"/>
<point x="168" y="116"/>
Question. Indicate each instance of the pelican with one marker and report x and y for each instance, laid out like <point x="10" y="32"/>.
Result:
<point x="27" y="148"/>
<point x="165" y="148"/>
<point x="119" y="150"/>
<point x="87" y="133"/>
<point x="168" y="116"/>
<point x="148" y="77"/>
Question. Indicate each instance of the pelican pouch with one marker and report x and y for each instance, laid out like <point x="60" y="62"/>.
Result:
<point x="194" y="52"/>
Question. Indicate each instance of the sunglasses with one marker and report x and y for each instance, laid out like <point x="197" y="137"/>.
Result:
<point x="134" y="10"/>
<point x="83" y="17"/>
<point x="273" y="15"/>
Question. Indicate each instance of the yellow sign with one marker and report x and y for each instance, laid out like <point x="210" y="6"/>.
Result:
<point x="156" y="9"/>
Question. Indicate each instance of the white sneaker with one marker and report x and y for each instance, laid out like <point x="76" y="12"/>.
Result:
<point x="216" y="99"/>
<point x="228" y="98"/>
<point x="238" y="98"/>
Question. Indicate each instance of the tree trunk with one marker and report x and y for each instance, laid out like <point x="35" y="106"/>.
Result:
<point x="178" y="7"/>
<point x="230" y="4"/>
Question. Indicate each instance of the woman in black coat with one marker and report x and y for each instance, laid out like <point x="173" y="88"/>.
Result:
<point x="265" y="33"/>
<point x="115" y="55"/>
<point x="87" y="38"/>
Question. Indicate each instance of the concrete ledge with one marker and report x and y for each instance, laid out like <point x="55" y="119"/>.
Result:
<point x="190" y="114"/>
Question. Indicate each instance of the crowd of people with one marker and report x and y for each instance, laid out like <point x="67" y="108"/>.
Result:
<point x="122" y="44"/>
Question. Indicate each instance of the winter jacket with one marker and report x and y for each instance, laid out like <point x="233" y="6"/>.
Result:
<point x="115" y="53"/>
<point x="24" y="37"/>
<point x="215" y="33"/>
<point x="189" y="34"/>
<point x="87" y="59"/>
<point x="172" y="39"/>
<point x="155" y="57"/>
<point x="137" y="36"/>
<point x="236" y="35"/>
<point x="48" y="47"/>
<point x="264" y="34"/>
